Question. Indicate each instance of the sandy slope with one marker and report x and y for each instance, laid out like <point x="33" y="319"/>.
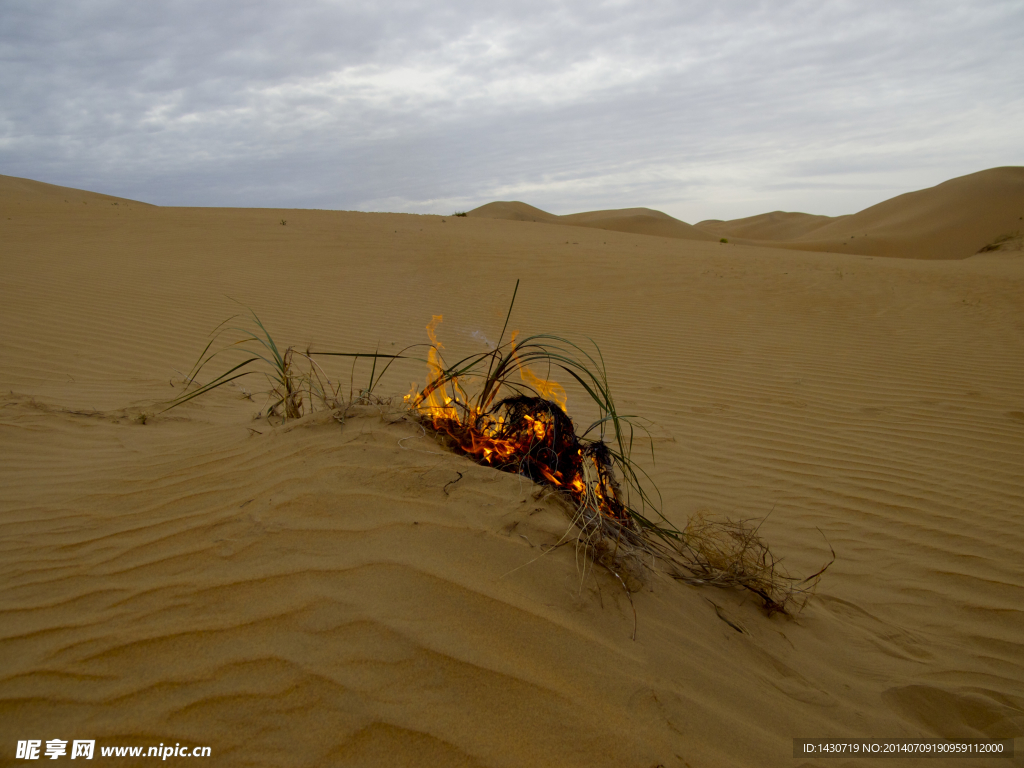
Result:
<point x="952" y="220"/>
<point x="638" y="221"/>
<point x="333" y="593"/>
<point x="26" y="194"/>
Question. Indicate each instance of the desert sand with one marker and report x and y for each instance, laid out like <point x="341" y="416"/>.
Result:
<point x="341" y="590"/>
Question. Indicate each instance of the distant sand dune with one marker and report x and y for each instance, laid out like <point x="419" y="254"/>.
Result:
<point x="952" y="220"/>
<point x="774" y="226"/>
<point x="638" y="221"/>
<point x="344" y="591"/>
<point x="512" y="210"/>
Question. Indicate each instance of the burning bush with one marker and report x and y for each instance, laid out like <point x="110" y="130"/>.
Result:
<point x="528" y="432"/>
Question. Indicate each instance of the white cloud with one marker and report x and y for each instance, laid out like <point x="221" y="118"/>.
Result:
<point x="703" y="111"/>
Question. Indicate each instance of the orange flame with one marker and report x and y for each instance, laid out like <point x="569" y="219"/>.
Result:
<point x="549" y="390"/>
<point x="540" y="442"/>
<point x="434" y="398"/>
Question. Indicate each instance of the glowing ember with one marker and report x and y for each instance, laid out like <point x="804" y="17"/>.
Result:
<point x="527" y="434"/>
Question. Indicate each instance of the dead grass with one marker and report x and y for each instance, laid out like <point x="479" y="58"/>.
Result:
<point x="1011" y="241"/>
<point x="730" y="553"/>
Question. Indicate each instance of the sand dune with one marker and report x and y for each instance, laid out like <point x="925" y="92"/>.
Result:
<point x="952" y="220"/>
<point x="777" y="225"/>
<point x="17" y="192"/>
<point x="512" y="210"/>
<point x="638" y="221"/>
<point x="343" y="591"/>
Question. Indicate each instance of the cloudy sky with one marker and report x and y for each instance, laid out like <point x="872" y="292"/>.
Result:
<point x="701" y="109"/>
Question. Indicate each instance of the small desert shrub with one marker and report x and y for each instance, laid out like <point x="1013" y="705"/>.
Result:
<point x="297" y="384"/>
<point x="1009" y="241"/>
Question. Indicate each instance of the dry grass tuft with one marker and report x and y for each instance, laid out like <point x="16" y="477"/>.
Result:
<point x="730" y="553"/>
<point x="297" y="383"/>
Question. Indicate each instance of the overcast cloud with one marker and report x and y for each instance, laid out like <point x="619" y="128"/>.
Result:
<point x="702" y="109"/>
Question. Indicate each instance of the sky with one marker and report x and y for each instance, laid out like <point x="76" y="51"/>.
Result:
<point x="699" y="109"/>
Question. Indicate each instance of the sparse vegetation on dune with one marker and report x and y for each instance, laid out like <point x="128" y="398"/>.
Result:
<point x="492" y="407"/>
<point x="1011" y="241"/>
<point x="297" y="384"/>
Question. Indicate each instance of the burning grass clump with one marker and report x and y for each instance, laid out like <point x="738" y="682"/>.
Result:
<point x="492" y="407"/>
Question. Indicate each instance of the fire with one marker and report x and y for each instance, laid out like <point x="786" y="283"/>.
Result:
<point x="524" y="434"/>
<point x="549" y="390"/>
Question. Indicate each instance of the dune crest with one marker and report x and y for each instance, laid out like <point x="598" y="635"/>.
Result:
<point x="512" y="210"/>
<point x="637" y="221"/>
<point x="774" y="226"/>
<point x="952" y="220"/>
<point x="18" y="191"/>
